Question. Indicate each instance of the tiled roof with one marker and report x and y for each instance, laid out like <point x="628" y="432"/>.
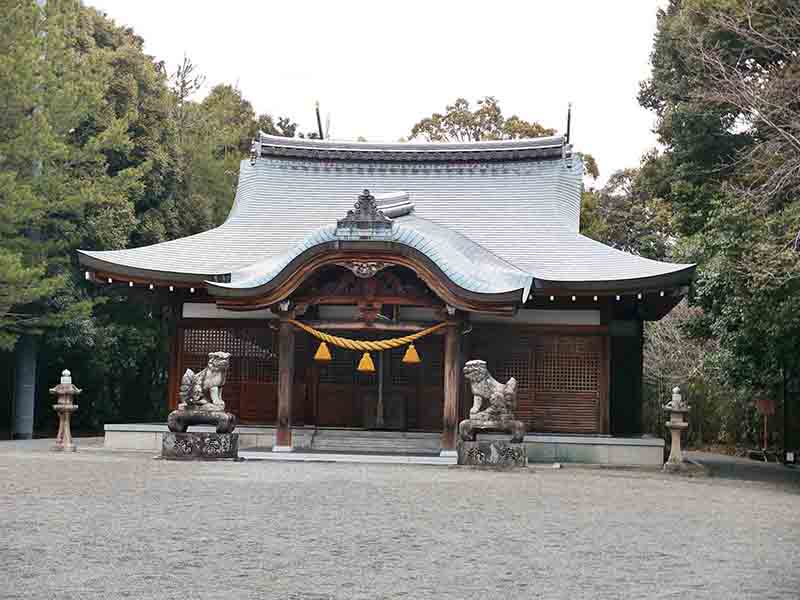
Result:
<point x="501" y="150"/>
<point x="493" y="226"/>
<point x="465" y="263"/>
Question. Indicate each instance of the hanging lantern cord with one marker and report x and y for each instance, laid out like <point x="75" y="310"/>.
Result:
<point x="366" y="345"/>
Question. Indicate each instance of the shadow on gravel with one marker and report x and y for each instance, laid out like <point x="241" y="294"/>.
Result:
<point x="745" y="469"/>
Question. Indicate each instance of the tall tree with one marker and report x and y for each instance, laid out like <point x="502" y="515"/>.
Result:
<point x="101" y="149"/>
<point x="461" y="123"/>
<point x="625" y="215"/>
<point x="725" y="83"/>
<point x="48" y="87"/>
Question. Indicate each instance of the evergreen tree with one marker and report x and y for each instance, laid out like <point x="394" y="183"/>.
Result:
<point x="725" y="83"/>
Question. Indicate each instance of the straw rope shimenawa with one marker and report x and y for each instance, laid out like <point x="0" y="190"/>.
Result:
<point x="366" y="345"/>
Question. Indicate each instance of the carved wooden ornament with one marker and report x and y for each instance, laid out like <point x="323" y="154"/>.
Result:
<point x="364" y="269"/>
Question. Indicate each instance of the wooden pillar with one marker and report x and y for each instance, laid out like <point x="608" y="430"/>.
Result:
<point x="175" y="363"/>
<point x="283" y="431"/>
<point x="452" y="382"/>
<point x="605" y="384"/>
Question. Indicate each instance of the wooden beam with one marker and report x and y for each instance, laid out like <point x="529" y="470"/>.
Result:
<point x="373" y="326"/>
<point x="534" y="329"/>
<point x="452" y="382"/>
<point x="316" y="257"/>
<point x="283" y="432"/>
<point x="352" y="300"/>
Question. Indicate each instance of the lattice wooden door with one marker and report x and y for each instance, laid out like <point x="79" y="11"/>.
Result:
<point x="566" y="397"/>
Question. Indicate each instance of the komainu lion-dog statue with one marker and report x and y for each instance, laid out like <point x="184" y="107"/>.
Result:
<point x="203" y="390"/>
<point x="500" y="400"/>
<point x="201" y="397"/>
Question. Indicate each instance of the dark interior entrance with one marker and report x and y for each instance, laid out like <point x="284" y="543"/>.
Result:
<point x="397" y="396"/>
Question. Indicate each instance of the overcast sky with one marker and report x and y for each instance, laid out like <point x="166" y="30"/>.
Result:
<point x="378" y="67"/>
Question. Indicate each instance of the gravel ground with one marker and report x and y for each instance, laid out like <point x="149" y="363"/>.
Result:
<point x="100" y="525"/>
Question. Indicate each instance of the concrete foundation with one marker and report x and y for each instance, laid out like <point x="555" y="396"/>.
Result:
<point x="541" y="448"/>
<point x="598" y="450"/>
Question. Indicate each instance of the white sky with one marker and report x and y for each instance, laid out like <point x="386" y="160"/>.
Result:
<point x="378" y="67"/>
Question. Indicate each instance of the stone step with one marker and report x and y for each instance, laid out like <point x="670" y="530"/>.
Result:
<point x="379" y="440"/>
<point x="385" y="442"/>
<point x="318" y="444"/>
<point x="420" y="440"/>
<point x="389" y="459"/>
<point x="376" y="434"/>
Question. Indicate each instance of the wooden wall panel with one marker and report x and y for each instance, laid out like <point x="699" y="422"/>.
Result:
<point x="258" y="402"/>
<point x="429" y="408"/>
<point x="299" y="401"/>
<point x="567" y="377"/>
<point x="559" y="412"/>
<point x="562" y="380"/>
<point x="336" y="405"/>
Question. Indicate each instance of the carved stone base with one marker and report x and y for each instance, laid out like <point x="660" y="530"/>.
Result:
<point x="179" y="420"/>
<point x="494" y="454"/>
<point x="197" y="445"/>
<point x="469" y="428"/>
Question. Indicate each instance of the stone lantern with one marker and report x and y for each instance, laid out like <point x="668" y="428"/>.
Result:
<point x="677" y="423"/>
<point x="65" y="392"/>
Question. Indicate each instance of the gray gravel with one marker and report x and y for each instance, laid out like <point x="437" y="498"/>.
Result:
<point x="100" y="525"/>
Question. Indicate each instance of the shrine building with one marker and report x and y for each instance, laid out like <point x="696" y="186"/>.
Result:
<point x="474" y="246"/>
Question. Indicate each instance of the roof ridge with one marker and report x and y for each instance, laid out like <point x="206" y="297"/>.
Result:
<point x="541" y="147"/>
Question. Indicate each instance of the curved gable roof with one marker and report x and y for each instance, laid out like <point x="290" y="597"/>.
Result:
<point x="466" y="264"/>
<point x="494" y="216"/>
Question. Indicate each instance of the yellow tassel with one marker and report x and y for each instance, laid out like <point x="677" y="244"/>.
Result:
<point x="322" y="354"/>
<point x="365" y="365"/>
<point x="411" y="356"/>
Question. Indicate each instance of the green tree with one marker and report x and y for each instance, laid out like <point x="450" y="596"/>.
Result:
<point x="725" y="83"/>
<point x="461" y="123"/>
<point x="20" y="287"/>
<point x="101" y="149"/>
<point x="625" y="215"/>
<point x="49" y="85"/>
<point x="282" y="126"/>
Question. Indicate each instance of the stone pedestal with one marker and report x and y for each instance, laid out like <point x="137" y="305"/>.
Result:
<point x="492" y="453"/>
<point x="179" y="420"/>
<point x="64" y="437"/>
<point x="65" y="391"/>
<point x="495" y="454"/>
<point x="197" y="445"/>
<point x="677" y="423"/>
<point x="469" y="428"/>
